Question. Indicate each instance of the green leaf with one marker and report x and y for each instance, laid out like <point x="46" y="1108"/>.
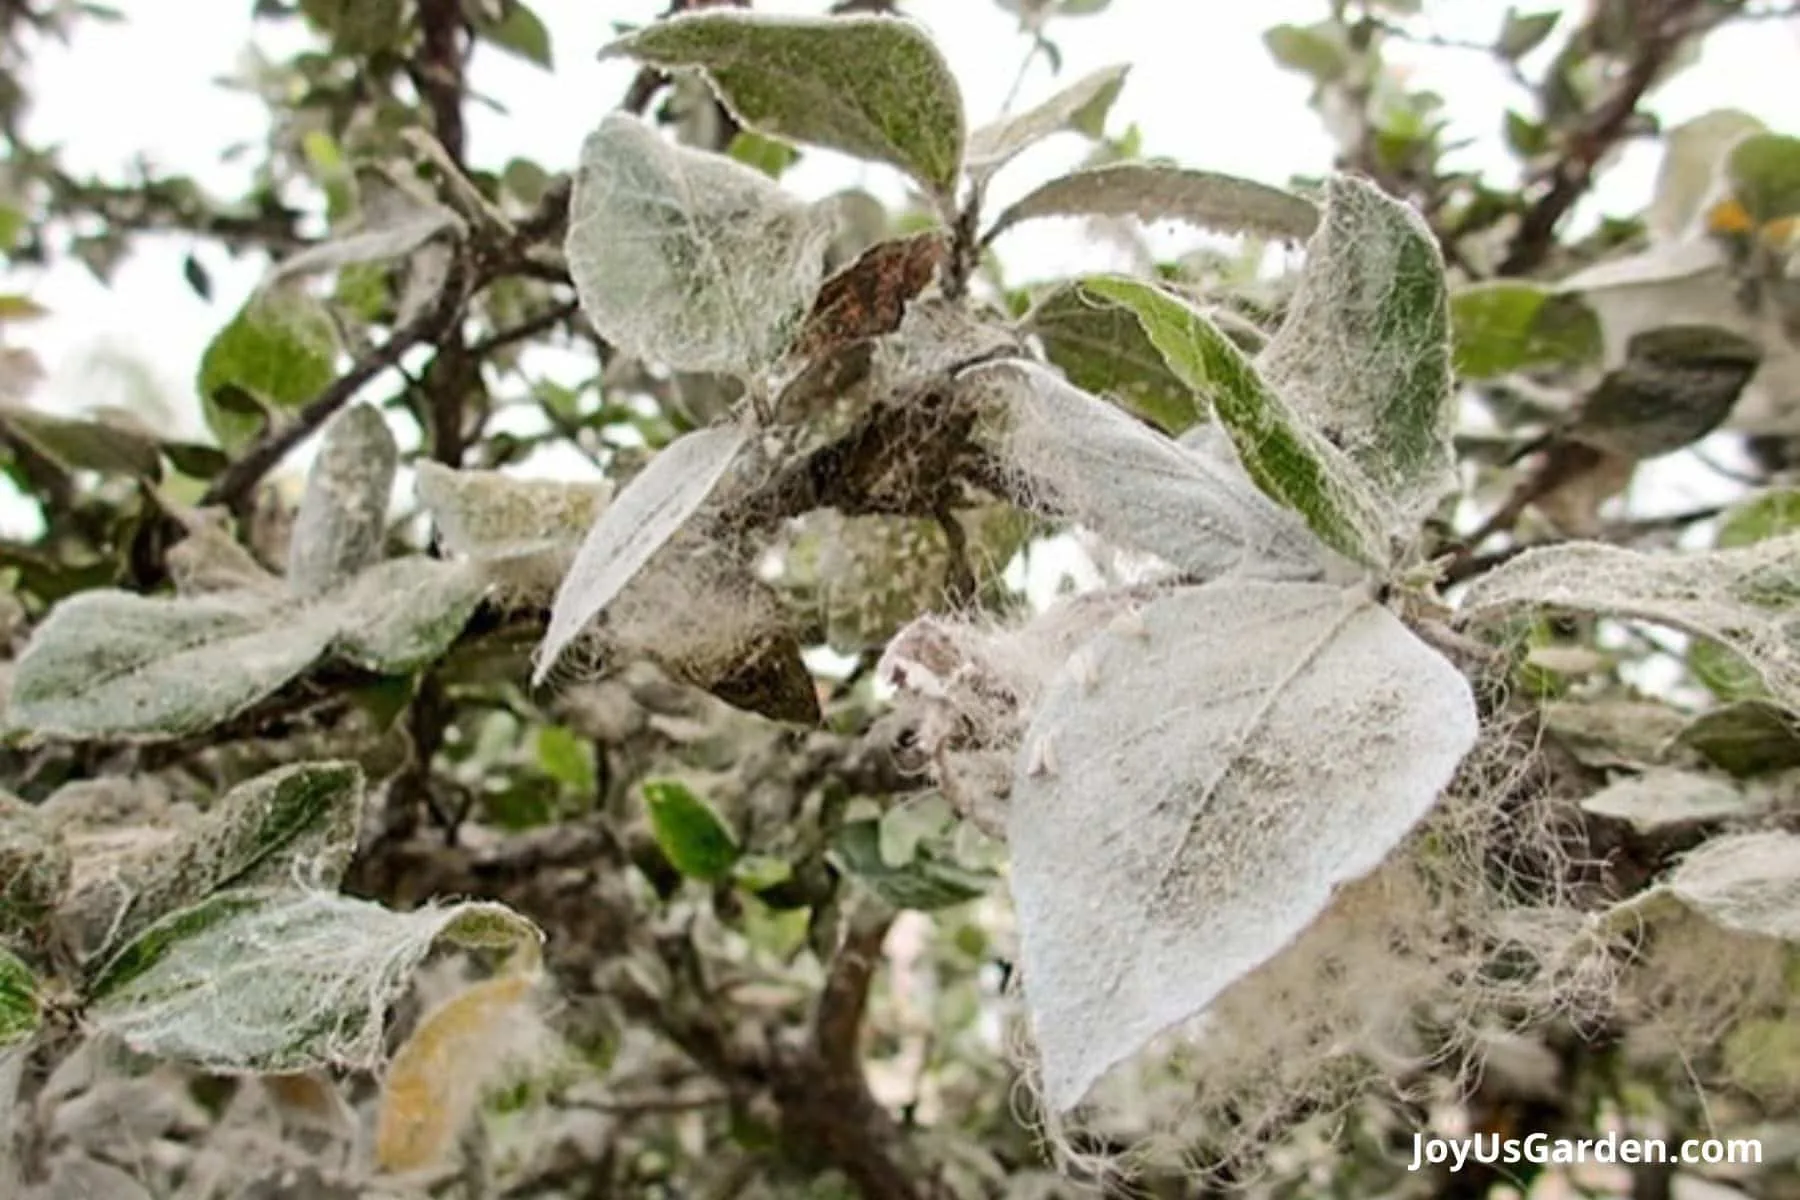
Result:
<point x="873" y="87"/>
<point x="293" y="826"/>
<point x="1081" y="107"/>
<point x="262" y="981"/>
<point x="1101" y="347"/>
<point x="1158" y="192"/>
<point x="83" y="443"/>
<point x="1693" y="153"/>
<point x="1315" y="50"/>
<point x="1764" y="171"/>
<point x="690" y="832"/>
<point x="1291" y="463"/>
<point x="360" y="27"/>
<point x="116" y="665"/>
<point x="343" y="515"/>
<point x="566" y="758"/>
<point x="1521" y="33"/>
<point x="771" y="156"/>
<point x="1746" y="738"/>
<point x="760" y="872"/>
<point x="925" y="884"/>
<point x="520" y="31"/>
<point x="35" y="870"/>
<point x="1745" y="599"/>
<point x="1511" y="325"/>
<point x="279" y="351"/>
<point x="18" y="1006"/>
<point x="688" y="258"/>
<point x="1770" y="514"/>
<point x="1363" y="355"/>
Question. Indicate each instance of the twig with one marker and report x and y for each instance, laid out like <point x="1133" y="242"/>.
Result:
<point x="529" y="328"/>
<point x="233" y="487"/>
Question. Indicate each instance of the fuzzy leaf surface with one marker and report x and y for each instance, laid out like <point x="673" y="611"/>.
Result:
<point x="403" y="613"/>
<point x="1157" y="192"/>
<point x="1748" y="883"/>
<point x="873" y="87"/>
<point x="1363" y="355"/>
<point x="1288" y="459"/>
<point x="343" y="515"/>
<point x="688" y="258"/>
<point x="1081" y="459"/>
<point x="293" y="826"/>
<point x="35" y="869"/>
<point x="1746" y="599"/>
<point x="1187" y="798"/>
<point x="651" y="509"/>
<point x="280" y="981"/>
<point x="1081" y="107"/>
<point x="489" y="515"/>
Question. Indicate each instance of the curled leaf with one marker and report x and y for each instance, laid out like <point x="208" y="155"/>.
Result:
<point x="1082" y="107"/>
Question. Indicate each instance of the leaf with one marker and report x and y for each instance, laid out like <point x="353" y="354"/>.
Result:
<point x="1511" y="325"/>
<point x="373" y="243"/>
<point x="1661" y="800"/>
<point x="35" y="869"/>
<point x="1101" y="347"/>
<point x="868" y="298"/>
<point x="342" y="520"/>
<point x="1744" y="599"/>
<point x="1677" y="384"/>
<point x="1692" y="155"/>
<point x="1315" y="50"/>
<point x="490" y="516"/>
<point x="280" y="350"/>
<point x="520" y="31"/>
<point x="1766" y="515"/>
<point x="295" y="826"/>
<point x="566" y="758"/>
<point x="651" y="509"/>
<point x="1747" y="738"/>
<point x="923" y="884"/>
<point x="1521" y="33"/>
<point x="1081" y="107"/>
<point x="1764" y="172"/>
<point x="691" y="834"/>
<point x="115" y="665"/>
<point x="688" y="258"/>
<point x="1158" y="192"/>
<point x="873" y="87"/>
<point x="267" y="981"/>
<point x="404" y="613"/>
<point x="1747" y="883"/>
<point x="1290" y="462"/>
<point x="1193" y="788"/>
<point x="1363" y="355"/>
<point x="84" y="444"/>
<point x="1081" y="459"/>
<point x="18" y="1007"/>
<point x="436" y="1079"/>
<point x="770" y="678"/>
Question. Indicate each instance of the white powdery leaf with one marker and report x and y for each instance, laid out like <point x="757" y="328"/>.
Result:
<point x="651" y="509"/>
<point x="1663" y="799"/>
<point x="1083" y="459"/>
<point x="403" y="613"/>
<point x="492" y="516"/>
<point x="266" y="981"/>
<point x="1193" y="789"/>
<point x="1693" y="153"/>
<point x="1749" y="883"/>
<point x="688" y="258"/>
<point x="1082" y="106"/>
<point x="1747" y="599"/>
<point x="342" y="516"/>
<point x="113" y="664"/>
<point x="1158" y="192"/>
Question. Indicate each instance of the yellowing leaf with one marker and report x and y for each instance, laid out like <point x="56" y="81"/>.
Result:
<point x="439" y="1074"/>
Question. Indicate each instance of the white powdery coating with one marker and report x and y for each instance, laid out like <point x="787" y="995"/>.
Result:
<point x="651" y="509"/>
<point x="1083" y="459"/>
<point x="490" y="516"/>
<point x="288" y="981"/>
<point x="339" y="527"/>
<point x="1749" y="883"/>
<point x="688" y="258"/>
<point x="1742" y="598"/>
<point x="1221" y="769"/>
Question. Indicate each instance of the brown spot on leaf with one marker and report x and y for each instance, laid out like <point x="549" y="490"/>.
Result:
<point x="868" y="298"/>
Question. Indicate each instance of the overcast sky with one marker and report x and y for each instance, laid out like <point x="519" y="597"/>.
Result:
<point x="1202" y="89"/>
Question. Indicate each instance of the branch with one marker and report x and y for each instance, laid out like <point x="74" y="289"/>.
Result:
<point x="1604" y="126"/>
<point x="236" y="483"/>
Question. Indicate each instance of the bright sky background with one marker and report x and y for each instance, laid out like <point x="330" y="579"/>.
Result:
<point x="1202" y="89"/>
